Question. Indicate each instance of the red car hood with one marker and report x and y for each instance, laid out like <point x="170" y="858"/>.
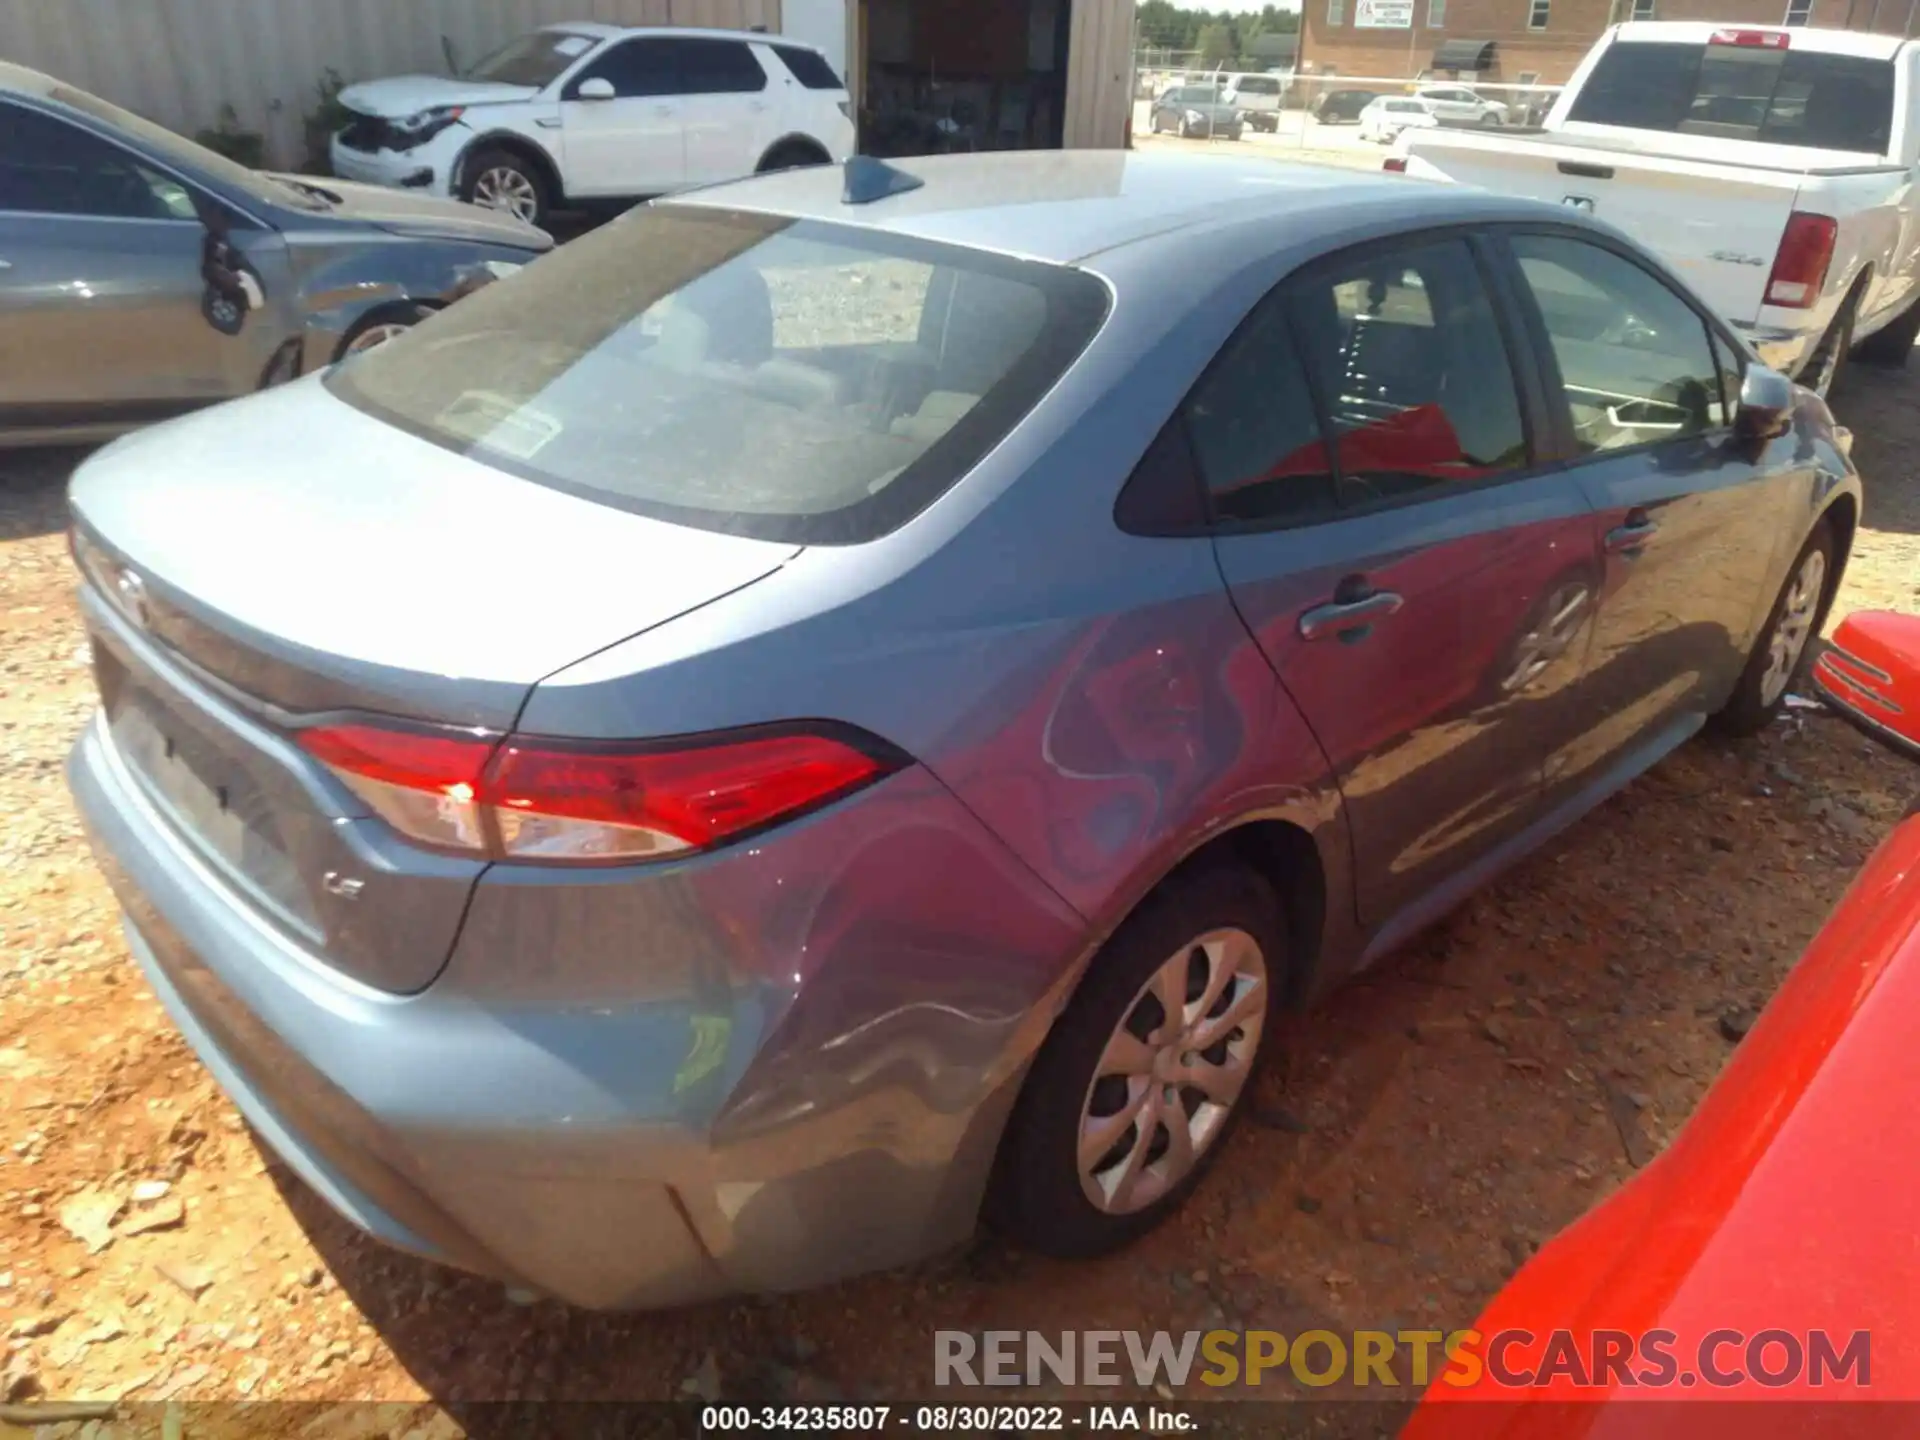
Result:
<point x="1791" y="1201"/>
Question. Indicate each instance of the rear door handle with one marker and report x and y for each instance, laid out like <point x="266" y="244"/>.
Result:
<point x="1631" y="538"/>
<point x="1343" y="617"/>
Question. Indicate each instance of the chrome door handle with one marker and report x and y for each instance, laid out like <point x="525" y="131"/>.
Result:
<point x="1343" y="617"/>
<point x="1630" y="539"/>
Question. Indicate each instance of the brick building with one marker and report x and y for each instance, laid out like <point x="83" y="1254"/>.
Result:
<point x="1522" y="42"/>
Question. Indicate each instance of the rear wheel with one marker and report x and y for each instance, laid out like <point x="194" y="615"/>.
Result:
<point x="1489" y="119"/>
<point x="1892" y="344"/>
<point x="1144" y="1073"/>
<point x="1780" y="654"/>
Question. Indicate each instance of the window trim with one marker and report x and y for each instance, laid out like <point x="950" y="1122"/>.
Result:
<point x="1805" y="7"/>
<point x="1560" y="411"/>
<point x="571" y="83"/>
<point x="1538" y="422"/>
<point x="1539" y="14"/>
<point x="1647" y="10"/>
<point x="1436" y="14"/>
<point x="1336" y="13"/>
<point x="198" y="189"/>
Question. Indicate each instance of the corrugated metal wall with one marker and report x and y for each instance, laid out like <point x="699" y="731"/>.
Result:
<point x="179" y="61"/>
<point x="1099" y="73"/>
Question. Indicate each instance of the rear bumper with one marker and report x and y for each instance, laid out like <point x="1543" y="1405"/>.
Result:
<point x="612" y="1100"/>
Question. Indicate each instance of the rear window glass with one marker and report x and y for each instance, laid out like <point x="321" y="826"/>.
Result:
<point x="1258" y="85"/>
<point x="788" y="380"/>
<point x="1742" y="92"/>
<point x="809" y="67"/>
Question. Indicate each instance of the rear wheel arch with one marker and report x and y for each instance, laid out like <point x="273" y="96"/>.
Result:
<point x="1286" y="856"/>
<point x="1843" y="517"/>
<point x="791" y="151"/>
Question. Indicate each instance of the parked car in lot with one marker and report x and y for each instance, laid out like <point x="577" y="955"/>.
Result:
<point x="1457" y="105"/>
<point x="1385" y="118"/>
<point x="590" y="114"/>
<point x="142" y="275"/>
<point x="1258" y="98"/>
<point x="1338" y="107"/>
<point x="1195" y="112"/>
<point x="1802" y="1151"/>
<point x="1772" y="168"/>
<point x="799" y="902"/>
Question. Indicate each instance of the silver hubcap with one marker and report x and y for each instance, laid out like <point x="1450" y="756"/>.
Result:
<point x="1172" y="1071"/>
<point x="1794" y="628"/>
<point x="374" y="336"/>
<point x="508" y="190"/>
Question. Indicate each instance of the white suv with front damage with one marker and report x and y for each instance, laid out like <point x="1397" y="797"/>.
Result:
<point x="584" y="114"/>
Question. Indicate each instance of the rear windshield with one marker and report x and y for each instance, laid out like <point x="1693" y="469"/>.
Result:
<point x="1742" y="92"/>
<point x="788" y="380"/>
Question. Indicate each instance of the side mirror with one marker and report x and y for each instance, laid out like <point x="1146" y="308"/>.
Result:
<point x="596" y="88"/>
<point x="1766" y="404"/>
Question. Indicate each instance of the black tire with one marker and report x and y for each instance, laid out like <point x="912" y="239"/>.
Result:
<point x="792" y="155"/>
<point x="1749" y="711"/>
<point x="1488" y="120"/>
<point x="1892" y="344"/>
<point x="1037" y="1198"/>
<point x="477" y="182"/>
<point x="388" y="317"/>
<point x="1821" y="374"/>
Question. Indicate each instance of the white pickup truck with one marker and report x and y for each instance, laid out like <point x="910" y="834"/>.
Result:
<point x="1774" y="168"/>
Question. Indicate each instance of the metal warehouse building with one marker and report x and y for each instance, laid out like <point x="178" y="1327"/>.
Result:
<point x="928" y="74"/>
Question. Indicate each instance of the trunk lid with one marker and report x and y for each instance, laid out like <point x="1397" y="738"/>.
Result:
<point x="320" y="559"/>
<point x="1716" y="224"/>
<point x="286" y="556"/>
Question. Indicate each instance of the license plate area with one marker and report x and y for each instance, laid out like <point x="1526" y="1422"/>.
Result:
<point x="207" y="794"/>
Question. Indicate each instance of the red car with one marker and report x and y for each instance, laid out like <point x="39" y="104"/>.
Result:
<point x="1772" y="1253"/>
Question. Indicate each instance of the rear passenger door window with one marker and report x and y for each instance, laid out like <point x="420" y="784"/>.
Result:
<point x="717" y="67"/>
<point x="1637" y="362"/>
<point x="1254" y="433"/>
<point x="1407" y="358"/>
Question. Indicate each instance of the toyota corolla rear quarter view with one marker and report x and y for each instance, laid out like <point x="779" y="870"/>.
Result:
<point x="850" y="701"/>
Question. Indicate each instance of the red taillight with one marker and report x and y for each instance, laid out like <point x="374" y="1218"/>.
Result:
<point x="1396" y="163"/>
<point x="565" y="801"/>
<point x="1763" y="39"/>
<point x="1800" y="265"/>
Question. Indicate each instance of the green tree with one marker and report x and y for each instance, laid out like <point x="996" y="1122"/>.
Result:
<point x="1215" y="43"/>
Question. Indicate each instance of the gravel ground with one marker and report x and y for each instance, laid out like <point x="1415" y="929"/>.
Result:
<point x="1425" y="1130"/>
